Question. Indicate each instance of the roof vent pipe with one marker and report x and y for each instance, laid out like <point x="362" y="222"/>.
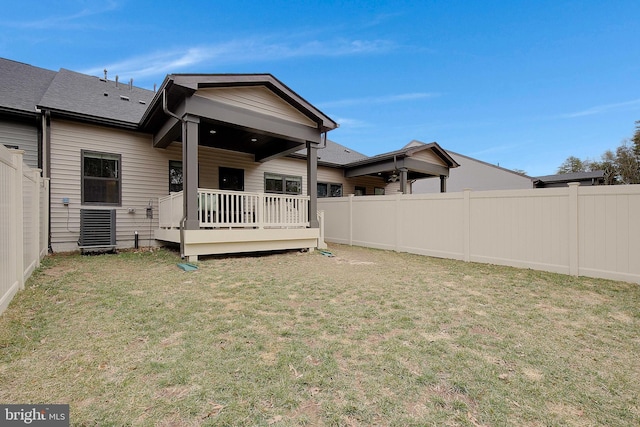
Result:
<point x="117" y="80"/>
<point x="154" y="88"/>
<point x="130" y="84"/>
<point x="105" y="74"/>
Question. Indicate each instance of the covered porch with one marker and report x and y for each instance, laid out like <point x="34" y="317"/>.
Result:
<point x="231" y="222"/>
<point x="252" y="115"/>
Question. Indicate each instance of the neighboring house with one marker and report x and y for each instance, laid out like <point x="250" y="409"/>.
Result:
<point x="217" y="163"/>
<point x="476" y="175"/>
<point x="563" y="179"/>
<point x="386" y="173"/>
<point x="21" y="87"/>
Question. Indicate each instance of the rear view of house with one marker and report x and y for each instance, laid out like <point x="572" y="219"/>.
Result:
<point x="216" y="163"/>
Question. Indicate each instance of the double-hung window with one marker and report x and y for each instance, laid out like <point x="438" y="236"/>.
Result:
<point x="101" y="178"/>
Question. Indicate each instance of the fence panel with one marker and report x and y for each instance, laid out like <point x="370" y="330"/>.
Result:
<point x="589" y="231"/>
<point x="10" y="183"/>
<point x="609" y="231"/>
<point x="24" y="223"/>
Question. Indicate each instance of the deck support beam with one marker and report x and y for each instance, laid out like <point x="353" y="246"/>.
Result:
<point x="312" y="183"/>
<point x="403" y="181"/>
<point x="443" y="184"/>
<point x="190" y="125"/>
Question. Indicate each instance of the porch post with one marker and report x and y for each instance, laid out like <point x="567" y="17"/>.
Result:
<point x="443" y="184"/>
<point x="403" y="181"/>
<point x="190" y="125"/>
<point x="312" y="183"/>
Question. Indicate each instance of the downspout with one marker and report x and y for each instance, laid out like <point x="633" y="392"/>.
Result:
<point x="323" y="138"/>
<point x="184" y="215"/>
<point x="46" y="162"/>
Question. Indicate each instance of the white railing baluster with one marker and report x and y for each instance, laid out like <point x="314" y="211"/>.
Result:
<point x="228" y="209"/>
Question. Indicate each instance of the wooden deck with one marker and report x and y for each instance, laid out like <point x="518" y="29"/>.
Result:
<point x="233" y="222"/>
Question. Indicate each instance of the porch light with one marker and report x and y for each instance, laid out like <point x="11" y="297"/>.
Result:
<point x="212" y="131"/>
<point x="254" y="139"/>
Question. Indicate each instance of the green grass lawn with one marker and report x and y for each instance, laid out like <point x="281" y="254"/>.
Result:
<point x="367" y="337"/>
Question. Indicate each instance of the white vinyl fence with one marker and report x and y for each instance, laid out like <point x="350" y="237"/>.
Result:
<point x="24" y="222"/>
<point x="582" y="231"/>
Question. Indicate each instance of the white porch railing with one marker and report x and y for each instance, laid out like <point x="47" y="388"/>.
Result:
<point x="225" y="209"/>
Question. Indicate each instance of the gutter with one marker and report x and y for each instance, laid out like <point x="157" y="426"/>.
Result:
<point x="93" y="119"/>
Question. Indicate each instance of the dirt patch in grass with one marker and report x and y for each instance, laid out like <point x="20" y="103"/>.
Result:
<point x="367" y="337"/>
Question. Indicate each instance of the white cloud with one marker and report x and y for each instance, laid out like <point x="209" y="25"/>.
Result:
<point x="69" y="21"/>
<point x="236" y="51"/>
<point x="602" y="109"/>
<point x="346" y="122"/>
<point x="377" y="99"/>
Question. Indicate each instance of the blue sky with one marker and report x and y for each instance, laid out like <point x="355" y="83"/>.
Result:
<point x="522" y="84"/>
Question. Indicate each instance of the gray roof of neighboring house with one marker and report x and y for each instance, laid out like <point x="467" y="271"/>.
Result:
<point x="22" y="85"/>
<point x="81" y="95"/>
<point x="568" y="177"/>
<point x="409" y="150"/>
<point x="333" y="154"/>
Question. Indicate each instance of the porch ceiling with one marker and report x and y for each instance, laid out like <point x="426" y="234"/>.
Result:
<point x="262" y="145"/>
<point x="416" y="169"/>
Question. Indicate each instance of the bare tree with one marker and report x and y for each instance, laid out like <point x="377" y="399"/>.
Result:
<point x="607" y="163"/>
<point x="620" y="167"/>
<point x="628" y="164"/>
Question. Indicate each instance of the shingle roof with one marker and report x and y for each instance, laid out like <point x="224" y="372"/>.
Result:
<point x="83" y="95"/>
<point x="22" y="85"/>
<point x="409" y="150"/>
<point x="568" y="177"/>
<point x="334" y="154"/>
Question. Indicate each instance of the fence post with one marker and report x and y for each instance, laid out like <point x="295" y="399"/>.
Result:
<point x="351" y="219"/>
<point x="574" y="259"/>
<point x="35" y="224"/>
<point x="321" y="242"/>
<point x="398" y="217"/>
<point x="18" y="219"/>
<point x="466" y="224"/>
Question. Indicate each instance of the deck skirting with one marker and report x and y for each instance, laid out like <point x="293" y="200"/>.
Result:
<point x="212" y="242"/>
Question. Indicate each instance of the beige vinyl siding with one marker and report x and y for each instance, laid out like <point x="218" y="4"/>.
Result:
<point x="430" y="157"/>
<point x="336" y="176"/>
<point x="23" y="135"/>
<point x="144" y="172"/>
<point x="210" y="160"/>
<point x="476" y="175"/>
<point x="258" y="99"/>
<point x="145" y="177"/>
